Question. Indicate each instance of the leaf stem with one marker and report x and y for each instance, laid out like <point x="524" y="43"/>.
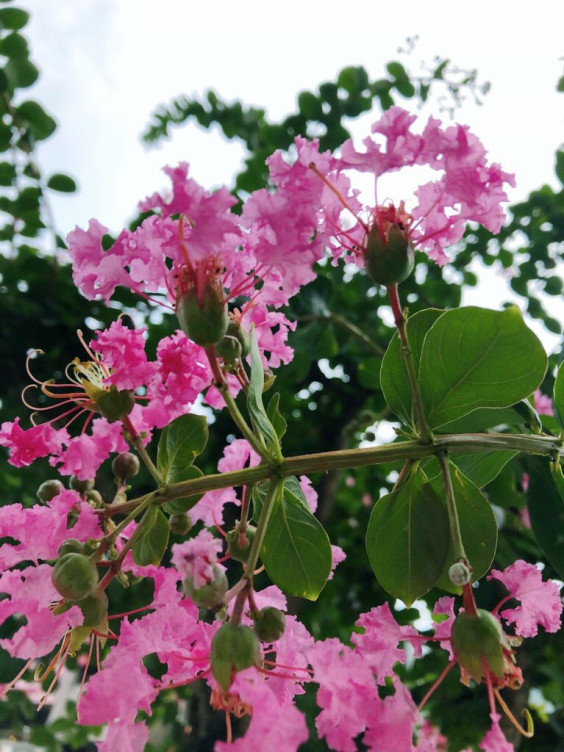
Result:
<point x="137" y="442"/>
<point x="454" y="522"/>
<point x="407" y="356"/>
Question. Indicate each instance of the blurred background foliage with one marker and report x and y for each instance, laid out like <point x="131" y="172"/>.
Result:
<point x="330" y="393"/>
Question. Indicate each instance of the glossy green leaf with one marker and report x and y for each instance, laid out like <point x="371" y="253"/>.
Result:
<point x="151" y="546"/>
<point x="62" y="183"/>
<point x="478" y="527"/>
<point x="178" y="506"/>
<point x="180" y="443"/>
<point x="473" y="357"/>
<point x="296" y="550"/>
<point x="407" y="539"/>
<point x="545" y="500"/>
<point x="482" y="419"/>
<point x="255" y="404"/>
<point x="479" y="467"/>
<point x="393" y="376"/>
<point x="558" y="397"/>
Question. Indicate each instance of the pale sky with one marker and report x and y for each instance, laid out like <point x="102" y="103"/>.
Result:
<point x="106" y="64"/>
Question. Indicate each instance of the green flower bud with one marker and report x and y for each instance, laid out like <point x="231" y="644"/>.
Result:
<point x="94" y="609"/>
<point x="71" y="546"/>
<point x="82" y="486"/>
<point x="233" y="648"/>
<point x="204" y="321"/>
<point x="74" y="576"/>
<point x="269" y="624"/>
<point x="238" y="550"/>
<point x="180" y="524"/>
<point x="242" y="334"/>
<point x="114" y="404"/>
<point x="125" y="466"/>
<point x="477" y="640"/>
<point x="210" y="595"/>
<point x="94" y="498"/>
<point x="388" y="259"/>
<point x="49" y="489"/>
<point x="229" y="348"/>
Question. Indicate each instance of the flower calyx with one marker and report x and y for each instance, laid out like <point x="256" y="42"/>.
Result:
<point x="234" y="648"/>
<point x="388" y="251"/>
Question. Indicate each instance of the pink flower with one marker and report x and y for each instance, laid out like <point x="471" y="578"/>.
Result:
<point x="392" y="721"/>
<point x="543" y="404"/>
<point x="378" y="642"/>
<point x="197" y="557"/>
<point x="40" y="530"/>
<point x="494" y="740"/>
<point x="27" y="445"/>
<point x="123" y="353"/>
<point x="467" y="190"/>
<point x="540" y="601"/>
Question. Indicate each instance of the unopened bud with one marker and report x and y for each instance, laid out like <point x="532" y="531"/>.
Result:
<point x="74" y="576"/>
<point x="229" y="349"/>
<point x="125" y="465"/>
<point x="209" y="595"/>
<point x="459" y="574"/>
<point x="49" y="489"/>
<point x="180" y="524"/>
<point x="239" y="549"/>
<point x="389" y="257"/>
<point x="71" y="546"/>
<point x="233" y="648"/>
<point x="82" y="486"/>
<point x="269" y="624"/>
<point x="94" y="498"/>
<point x="203" y="319"/>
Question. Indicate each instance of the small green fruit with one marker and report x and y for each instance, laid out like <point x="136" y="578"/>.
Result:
<point x="390" y="259"/>
<point x="49" y="489"/>
<point x="82" y="486"/>
<point x="477" y="640"/>
<point x="269" y="624"/>
<point x="180" y="524"/>
<point x="237" y="550"/>
<point x="71" y="546"/>
<point x="204" y="320"/>
<point x="210" y="595"/>
<point x="125" y="465"/>
<point x="74" y="576"/>
<point x="229" y="349"/>
<point x="233" y="648"/>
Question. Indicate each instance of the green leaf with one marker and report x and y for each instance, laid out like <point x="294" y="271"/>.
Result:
<point x="482" y="467"/>
<point x="473" y="357"/>
<point x="254" y="399"/>
<point x="407" y="539"/>
<point x="558" y="395"/>
<point x="13" y="18"/>
<point x="483" y="418"/>
<point x="545" y="500"/>
<point x="296" y="550"/>
<point x="7" y="173"/>
<point x="151" y="546"/>
<point x="559" y="167"/>
<point x="180" y="443"/>
<point x="368" y="373"/>
<point x="275" y="416"/>
<point x="393" y="376"/>
<point x="41" y="125"/>
<point x="14" y="46"/>
<point x="20" y="73"/>
<point x="396" y="70"/>
<point x="478" y="527"/>
<point x="178" y="506"/>
<point x="61" y="183"/>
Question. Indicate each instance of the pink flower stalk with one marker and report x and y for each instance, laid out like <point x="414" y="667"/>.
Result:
<point x="467" y="190"/>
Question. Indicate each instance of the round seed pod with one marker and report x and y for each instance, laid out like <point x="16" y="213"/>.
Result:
<point x="74" y="576"/>
<point x="49" y="489"/>
<point x="125" y="465"/>
<point x="82" y="486"/>
<point x="269" y="624"/>
<point x="238" y="551"/>
<point x="233" y="648"/>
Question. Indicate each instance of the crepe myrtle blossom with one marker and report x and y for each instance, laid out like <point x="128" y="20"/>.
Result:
<point x="467" y="189"/>
<point x="194" y="255"/>
<point x="117" y="388"/>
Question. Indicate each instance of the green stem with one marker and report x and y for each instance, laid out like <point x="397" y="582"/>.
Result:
<point x="406" y="354"/>
<point x="265" y="512"/>
<point x="137" y="442"/>
<point x="350" y="458"/>
<point x="141" y="504"/>
<point x="454" y="523"/>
